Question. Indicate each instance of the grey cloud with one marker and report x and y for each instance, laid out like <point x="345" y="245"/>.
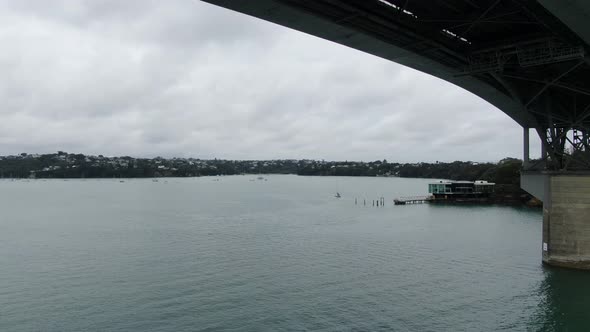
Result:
<point x="185" y="78"/>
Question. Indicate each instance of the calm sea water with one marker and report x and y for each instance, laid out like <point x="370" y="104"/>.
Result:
<point x="240" y="254"/>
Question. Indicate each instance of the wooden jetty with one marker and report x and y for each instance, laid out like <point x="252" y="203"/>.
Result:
<point x="412" y="200"/>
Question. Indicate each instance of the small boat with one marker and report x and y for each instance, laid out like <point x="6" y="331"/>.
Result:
<point x="337" y="195"/>
<point x="154" y="180"/>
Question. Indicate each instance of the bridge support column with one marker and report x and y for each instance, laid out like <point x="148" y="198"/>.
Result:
<point x="525" y="146"/>
<point x="566" y="220"/>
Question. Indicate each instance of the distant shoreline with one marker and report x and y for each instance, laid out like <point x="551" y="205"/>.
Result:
<point x="63" y="165"/>
<point x="506" y="194"/>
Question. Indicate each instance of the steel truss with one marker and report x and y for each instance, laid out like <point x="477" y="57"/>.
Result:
<point x="565" y="148"/>
<point x="530" y="55"/>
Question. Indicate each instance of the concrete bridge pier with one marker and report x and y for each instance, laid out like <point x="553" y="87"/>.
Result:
<point x="566" y="215"/>
<point x="566" y="200"/>
<point x="566" y="220"/>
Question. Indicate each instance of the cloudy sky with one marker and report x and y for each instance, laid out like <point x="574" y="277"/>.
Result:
<point x="184" y="78"/>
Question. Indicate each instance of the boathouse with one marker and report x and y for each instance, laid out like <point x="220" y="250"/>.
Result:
<point x="449" y="190"/>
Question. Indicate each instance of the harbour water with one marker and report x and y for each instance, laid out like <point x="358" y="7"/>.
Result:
<point x="275" y="254"/>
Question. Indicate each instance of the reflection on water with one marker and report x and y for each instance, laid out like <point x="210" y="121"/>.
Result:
<point x="566" y="300"/>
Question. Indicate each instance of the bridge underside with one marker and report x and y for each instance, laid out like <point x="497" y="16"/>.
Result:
<point x="527" y="58"/>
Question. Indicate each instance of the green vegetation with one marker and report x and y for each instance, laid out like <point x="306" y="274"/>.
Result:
<point x="67" y="165"/>
<point x="507" y="171"/>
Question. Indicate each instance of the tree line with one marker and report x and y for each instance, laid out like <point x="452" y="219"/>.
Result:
<point x="64" y="165"/>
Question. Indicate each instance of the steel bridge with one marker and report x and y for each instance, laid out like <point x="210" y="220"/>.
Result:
<point x="526" y="57"/>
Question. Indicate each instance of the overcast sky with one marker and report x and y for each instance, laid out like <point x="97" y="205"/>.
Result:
<point x="182" y="78"/>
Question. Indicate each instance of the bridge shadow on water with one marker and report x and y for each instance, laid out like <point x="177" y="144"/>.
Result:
<point x="566" y="301"/>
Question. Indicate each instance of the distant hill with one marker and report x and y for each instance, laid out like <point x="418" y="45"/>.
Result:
<point x="69" y="165"/>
